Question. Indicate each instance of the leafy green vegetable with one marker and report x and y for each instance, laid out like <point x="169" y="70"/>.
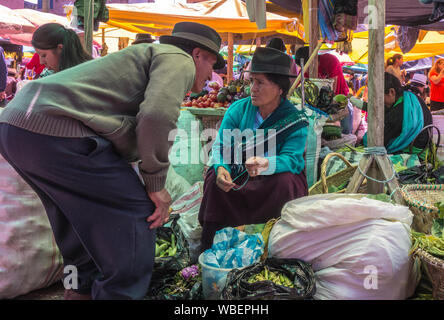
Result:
<point x="380" y="196"/>
<point x="438" y="228"/>
<point x="438" y="223"/>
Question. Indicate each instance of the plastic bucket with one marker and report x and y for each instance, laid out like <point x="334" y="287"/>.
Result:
<point x="213" y="280"/>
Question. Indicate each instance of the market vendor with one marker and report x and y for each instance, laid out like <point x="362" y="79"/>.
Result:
<point x="240" y="181"/>
<point x="405" y="116"/>
<point x="86" y="124"/>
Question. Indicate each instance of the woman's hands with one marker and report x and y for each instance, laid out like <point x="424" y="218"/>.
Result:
<point x="223" y="179"/>
<point x="256" y="165"/>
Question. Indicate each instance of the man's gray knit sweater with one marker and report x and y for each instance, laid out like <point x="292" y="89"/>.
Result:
<point x="131" y="97"/>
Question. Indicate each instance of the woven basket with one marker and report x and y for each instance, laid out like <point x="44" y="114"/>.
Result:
<point x="421" y="199"/>
<point x="435" y="270"/>
<point x="336" y="179"/>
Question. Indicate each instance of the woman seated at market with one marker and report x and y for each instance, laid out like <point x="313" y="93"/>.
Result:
<point x="405" y="116"/>
<point x="239" y="192"/>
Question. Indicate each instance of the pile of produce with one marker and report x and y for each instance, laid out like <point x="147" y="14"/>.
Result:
<point x="272" y="279"/>
<point x="184" y="281"/>
<point x="268" y="275"/>
<point x="321" y="98"/>
<point x="331" y="132"/>
<point x="165" y="248"/>
<point x="185" y="285"/>
<point x="429" y="243"/>
<point x="171" y="253"/>
<point x="438" y="223"/>
<point x="219" y="97"/>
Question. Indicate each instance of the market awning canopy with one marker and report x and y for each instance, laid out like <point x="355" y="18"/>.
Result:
<point x="36" y="19"/>
<point x="225" y="16"/>
<point x="430" y="45"/>
<point x="11" y="23"/>
<point x="411" y="13"/>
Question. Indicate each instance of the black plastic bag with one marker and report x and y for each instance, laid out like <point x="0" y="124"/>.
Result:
<point x="165" y="268"/>
<point x="325" y="97"/>
<point x="299" y="272"/>
<point x="420" y="175"/>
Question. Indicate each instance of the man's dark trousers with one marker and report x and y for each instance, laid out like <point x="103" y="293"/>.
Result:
<point x="96" y="205"/>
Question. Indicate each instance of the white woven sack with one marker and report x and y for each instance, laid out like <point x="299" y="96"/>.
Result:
<point x="188" y="207"/>
<point x="29" y="257"/>
<point x="358" y="248"/>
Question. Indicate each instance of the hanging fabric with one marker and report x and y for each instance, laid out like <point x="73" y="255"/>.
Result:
<point x="406" y="38"/>
<point x="257" y="13"/>
<point x="345" y="15"/>
<point x="326" y="18"/>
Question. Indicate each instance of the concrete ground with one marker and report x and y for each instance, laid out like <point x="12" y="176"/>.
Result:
<point x="54" y="292"/>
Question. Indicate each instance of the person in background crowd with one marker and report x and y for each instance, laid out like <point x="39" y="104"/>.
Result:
<point x="276" y="172"/>
<point x="59" y="48"/>
<point x="278" y="44"/>
<point x="87" y="123"/>
<point x="34" y="66"/>
<point x="330" y="68"/>
<point x="393" y="65"/>
<point x="418" y="85"/>
<point x="363" y="91"/>
<point x="3" y="75"/>
<point x="143" y="38"/>
<point x="405" y="116"/>
<point x="436" y="76"/>
<point x="214" y="78"/>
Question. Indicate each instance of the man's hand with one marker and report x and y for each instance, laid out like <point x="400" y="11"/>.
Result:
<point x="162" y="201"/>
<point x="223" y="179"/>
<point x="2" y="95"/>
<point x="256" y="165"/>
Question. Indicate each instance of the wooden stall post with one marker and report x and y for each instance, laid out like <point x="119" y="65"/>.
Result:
<point x="370" y="163"/>
<point x="89" y="25"/>
<point x="314" y="36"/>
<point x="45" y="5"/>
<point x="123" y="42"/>
<point x="375" y="90"/>
<point x="230" y="58"/>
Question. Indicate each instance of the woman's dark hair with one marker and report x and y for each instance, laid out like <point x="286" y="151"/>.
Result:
<point x="391" y="61"/>
<point x="50" y="35"/>
<point x="390" y="81"/>
<point x="283" y="82"/>
<point x="277" y="43"/>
